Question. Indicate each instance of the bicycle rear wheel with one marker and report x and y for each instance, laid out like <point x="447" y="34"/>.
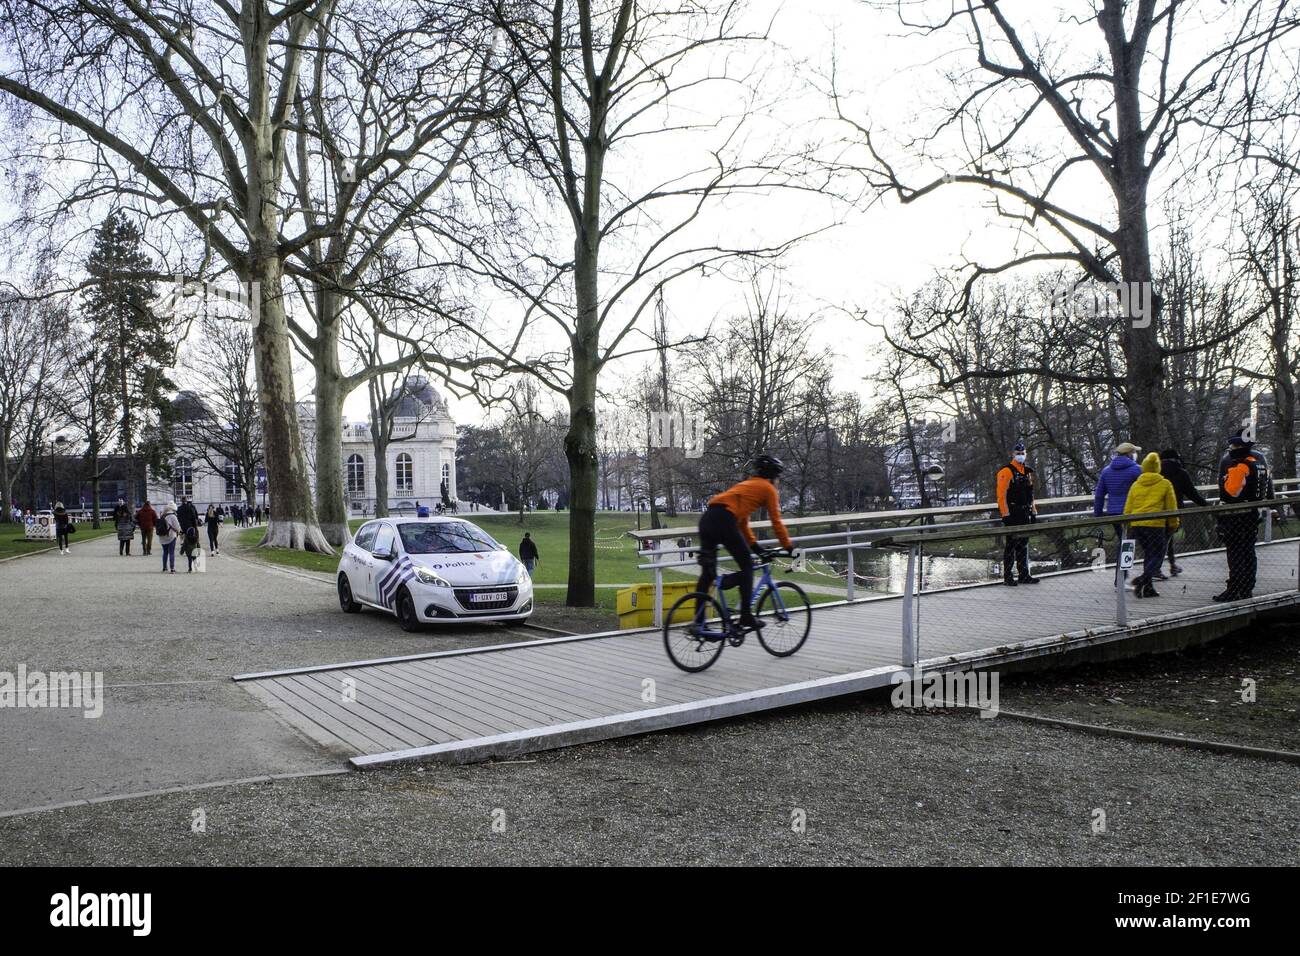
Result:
<point x="788" y="622"/>
<point x="693" y="653"/>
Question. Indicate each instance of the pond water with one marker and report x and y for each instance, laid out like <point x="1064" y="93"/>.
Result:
<point x="885" y="571"/>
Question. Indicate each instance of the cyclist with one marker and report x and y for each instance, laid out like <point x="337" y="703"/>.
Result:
<point x="726" y="522"/>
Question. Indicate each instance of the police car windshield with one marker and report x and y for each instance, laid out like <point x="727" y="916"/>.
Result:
<point x="445" y="537"/>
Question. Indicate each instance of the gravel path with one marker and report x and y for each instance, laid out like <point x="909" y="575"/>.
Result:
<point x="167" y="645"/>
<point x="875" y="786"/>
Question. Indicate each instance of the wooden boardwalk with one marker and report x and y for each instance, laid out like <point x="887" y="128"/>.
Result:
<point x="509" y="699"/>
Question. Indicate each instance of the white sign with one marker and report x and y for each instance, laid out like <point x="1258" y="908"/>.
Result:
<point x="1126" y="550"/>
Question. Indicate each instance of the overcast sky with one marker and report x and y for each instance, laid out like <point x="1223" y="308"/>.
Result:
<point x="879" y="250"/>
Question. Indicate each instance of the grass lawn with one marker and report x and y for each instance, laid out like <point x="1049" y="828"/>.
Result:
<point x="616" y="555"/>
<point x="13" y="543"/>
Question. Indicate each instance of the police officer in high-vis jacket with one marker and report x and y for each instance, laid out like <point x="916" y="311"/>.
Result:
<point x="1016" y="504"/>
<point x="1243" y="476"/>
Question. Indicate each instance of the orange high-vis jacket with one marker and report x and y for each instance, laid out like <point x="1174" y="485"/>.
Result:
<point x="744" y="499"/>
<point x="1004" y="482"/>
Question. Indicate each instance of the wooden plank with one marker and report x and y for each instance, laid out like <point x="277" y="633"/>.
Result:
<point x="417" y="717"/>
<point x="359" y="719"/>
<point x="472" y="692"/>
<point x="303" y="712"/>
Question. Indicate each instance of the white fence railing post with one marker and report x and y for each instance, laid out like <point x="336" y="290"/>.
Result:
<point x="1268" y="524"/>
<point x="849" y="573"/>
<point x="659" y="592"/>
<point x="910" y="642"/>
<point x="1121" y="592"/>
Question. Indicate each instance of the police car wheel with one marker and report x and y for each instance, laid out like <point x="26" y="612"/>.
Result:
<point x="347" y="602"/>
<point x="406" y="615"/>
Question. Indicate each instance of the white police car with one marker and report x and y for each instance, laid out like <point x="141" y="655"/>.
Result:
<point x="432" y="570"/>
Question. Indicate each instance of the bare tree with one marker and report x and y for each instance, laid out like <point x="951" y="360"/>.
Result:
<point x="1115" y="83"/>
<point x="379" y="140"/>
<point x="186" y="108"/>
<point x="29" y="331"/>
<point x="224" y="431"/>
<point x="593" y="91"/>
<point x="1271" y="258"/>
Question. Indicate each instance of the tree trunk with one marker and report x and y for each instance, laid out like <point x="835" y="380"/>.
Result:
<point x="1143" y="357"/>
<point x="580" y="451"/>
<point x="381" y="476"/>
<point x="331" y="506"/>
<point x="293" y="524"/>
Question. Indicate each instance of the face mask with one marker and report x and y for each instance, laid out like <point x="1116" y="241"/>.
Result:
<point x="1020" y="459"/>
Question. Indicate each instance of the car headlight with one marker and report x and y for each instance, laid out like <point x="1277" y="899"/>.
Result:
<point x="425" y="576"/>
<point x="521" y="573"/>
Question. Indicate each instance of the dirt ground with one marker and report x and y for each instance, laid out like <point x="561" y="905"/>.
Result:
<point x="1197" y="693"/>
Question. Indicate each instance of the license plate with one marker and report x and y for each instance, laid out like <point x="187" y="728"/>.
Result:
<point x="488" y="596"/>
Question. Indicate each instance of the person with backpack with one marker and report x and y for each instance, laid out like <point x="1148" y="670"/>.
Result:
<point x="124" y="522"/>
<point x="1150" y="492"/>
<point x="146" y="518"/>
<point x="1016" y="505"/>
<point x="190" y="546"/>
<point x="212" y="521"/>
<point x="1243" y="476"/>
<point x="1171" y="466"/>
<point x="169" y="529"/>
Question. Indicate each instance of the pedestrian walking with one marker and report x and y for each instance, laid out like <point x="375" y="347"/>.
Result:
<point x="1151" y="492"/>
<point x="146" y="518"/>
<point x="190" y="547"/>
<point x="1243" y="476"/>
<point x="188" y="515"/>
<point x="212" y="521"/>
<point x="1113" y="484"/>
<point x="528" y="552"/>
<point x="63" y="527"/>
<point x="124" y="522"/>
<point x="1015" y="481"/>
<point x="1171" y="466"/>
<point x="169" y="529"/>
<point x="258" y="514"/>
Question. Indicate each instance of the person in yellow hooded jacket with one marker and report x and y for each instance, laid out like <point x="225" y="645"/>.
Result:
<point x="1150" y="493"/>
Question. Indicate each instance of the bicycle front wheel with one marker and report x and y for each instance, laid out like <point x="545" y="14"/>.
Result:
<point x="693" y="652"/>
<point x="787" y="618"/>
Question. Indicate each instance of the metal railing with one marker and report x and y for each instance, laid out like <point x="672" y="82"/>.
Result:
<point x="915" y="542"/>
<point x="880" y="528"/>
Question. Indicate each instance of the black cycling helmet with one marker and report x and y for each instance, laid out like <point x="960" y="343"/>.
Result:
<point x="766" y="466"/>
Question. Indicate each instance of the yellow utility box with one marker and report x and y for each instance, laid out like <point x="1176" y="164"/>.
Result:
<point x="636" y="605"/>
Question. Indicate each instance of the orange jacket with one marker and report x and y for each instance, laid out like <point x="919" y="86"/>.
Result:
<point x="744" y="499"/>
<point x="1004" y="482"/>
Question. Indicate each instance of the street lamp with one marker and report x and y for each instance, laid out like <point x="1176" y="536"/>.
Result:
<point x="58" y="441"/>
<point x="935" y="475"/>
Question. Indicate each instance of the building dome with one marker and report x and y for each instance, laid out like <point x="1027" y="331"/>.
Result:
<point x="187" y="406"/>
<point x="418" y="399"/>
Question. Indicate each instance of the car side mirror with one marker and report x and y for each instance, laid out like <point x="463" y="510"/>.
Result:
<point x="384" y="555"/>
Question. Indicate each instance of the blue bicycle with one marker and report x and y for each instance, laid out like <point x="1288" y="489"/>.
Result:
<point x="694" y="638"/>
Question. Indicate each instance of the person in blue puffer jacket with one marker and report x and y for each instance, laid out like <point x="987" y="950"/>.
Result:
<point x="1112" y="487"/>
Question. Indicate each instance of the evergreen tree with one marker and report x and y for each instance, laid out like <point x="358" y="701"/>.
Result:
<point x="133" y="337"/>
